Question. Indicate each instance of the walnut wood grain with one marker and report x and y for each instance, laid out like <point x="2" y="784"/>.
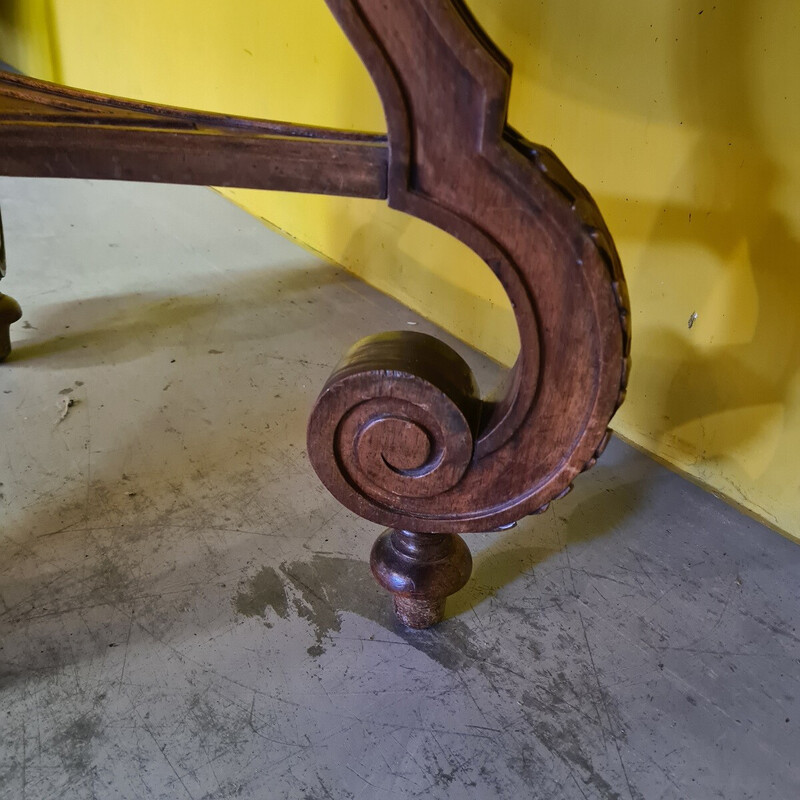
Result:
<point x="454" y="162"/>
<point x="421" y="570"/>
<point x="55" y="132"/>
<point x="399" y="433"/>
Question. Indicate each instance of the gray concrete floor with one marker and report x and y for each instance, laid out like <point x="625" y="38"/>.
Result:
<point x="186" y="613"/>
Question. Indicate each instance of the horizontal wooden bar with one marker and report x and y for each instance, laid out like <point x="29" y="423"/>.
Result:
<point x="51" y="131"/>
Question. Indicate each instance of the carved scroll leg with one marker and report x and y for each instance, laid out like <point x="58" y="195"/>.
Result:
<point x="10" y="311"/>
<point x="421" y="570"/>
<point x="394" y="427"/>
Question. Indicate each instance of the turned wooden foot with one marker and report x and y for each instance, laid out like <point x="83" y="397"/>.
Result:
<point x="10" y="312"/>
<point x="420" y="570"/>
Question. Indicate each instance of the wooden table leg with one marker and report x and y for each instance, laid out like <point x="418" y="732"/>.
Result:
<point x="400" y="434"/>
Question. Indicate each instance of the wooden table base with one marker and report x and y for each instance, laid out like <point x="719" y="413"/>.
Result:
<point x="399" y="433"/>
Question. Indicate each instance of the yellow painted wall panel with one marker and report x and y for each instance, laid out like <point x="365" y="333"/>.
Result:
<point x="682" y="118"/>
<point x="26" y="37"/>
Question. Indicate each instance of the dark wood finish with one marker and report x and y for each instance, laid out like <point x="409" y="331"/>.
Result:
<point x="55" y="132"/>
<point x="454" y="162"/>
<point x="421" y="570"/>
<point x="399" y="434"/>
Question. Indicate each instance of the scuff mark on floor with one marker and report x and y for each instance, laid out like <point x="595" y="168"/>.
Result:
<point x="265" y="590"/>
<point x="327" y="586"/>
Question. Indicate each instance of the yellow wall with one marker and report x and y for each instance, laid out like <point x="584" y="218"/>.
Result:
<point x="25" y="37"/>
<point x="682" y="118"/>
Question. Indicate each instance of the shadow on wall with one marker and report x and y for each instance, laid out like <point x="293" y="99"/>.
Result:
<point x="418" y="264"/>
<point x="708" y="87"/>
<point x="733" y="230"/>
<point x="696" y="99"/>
<point x="21" y="21"/>
<point x="753" y="375"/>
<point x="445" y="284"/>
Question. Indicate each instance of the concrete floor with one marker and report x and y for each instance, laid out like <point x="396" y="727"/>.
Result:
<point x="186" y="613"/>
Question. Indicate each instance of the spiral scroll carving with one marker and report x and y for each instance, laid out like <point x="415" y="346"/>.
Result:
<point x="399" y="416"/>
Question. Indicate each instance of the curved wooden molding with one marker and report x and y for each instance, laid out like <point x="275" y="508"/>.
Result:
<point x="454" y="162"/>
